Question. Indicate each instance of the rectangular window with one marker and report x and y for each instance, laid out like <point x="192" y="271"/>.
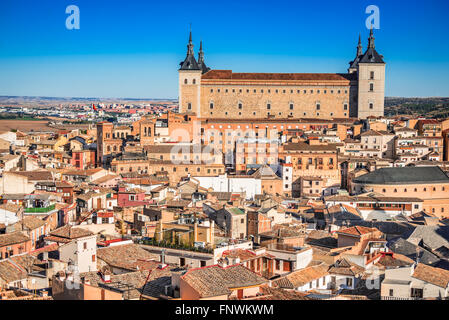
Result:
<point x="286" y="265"/>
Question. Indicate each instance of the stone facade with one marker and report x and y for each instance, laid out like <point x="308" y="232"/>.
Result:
<point x="219" y="94"/>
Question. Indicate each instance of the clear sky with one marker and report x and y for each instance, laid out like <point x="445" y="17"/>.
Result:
<point x="132" y="48"/>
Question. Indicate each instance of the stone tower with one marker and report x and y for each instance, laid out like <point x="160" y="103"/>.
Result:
<point x="371" y="81"/>
<point x="190" y="80"/>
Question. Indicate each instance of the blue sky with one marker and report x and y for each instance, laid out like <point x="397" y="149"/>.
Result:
<point x="133" y="48"/>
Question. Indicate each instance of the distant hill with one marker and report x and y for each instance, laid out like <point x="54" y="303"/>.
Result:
<point x="433" y="107"/>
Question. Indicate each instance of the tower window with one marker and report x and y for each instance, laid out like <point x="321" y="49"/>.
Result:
<point x="291" y="106"/>
<point x="240" y="106"/>
<point x="371" y="87"/>
<point x="371" y="106"/>
<point x="194" y="81"/>
<point x="345" y="106"/>
<point x="268" y="106"/>
<point x="318" y="106"/>
<point x="185" y="81"/>
<point x="189" y="106"/>
<point x="211" y="105"/>
<point x="371" y="76"/>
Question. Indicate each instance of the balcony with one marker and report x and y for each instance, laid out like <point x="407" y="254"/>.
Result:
<point x="40" y="209"/>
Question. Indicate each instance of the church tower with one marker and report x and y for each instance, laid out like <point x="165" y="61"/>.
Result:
<point x="371" y="82"/>
<point x="190" y="81"/>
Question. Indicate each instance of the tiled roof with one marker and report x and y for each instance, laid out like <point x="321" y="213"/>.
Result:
<point x="35" y="175"/>
<point x="275" y="293"/>
<point x="404" y="175"/>
<point x="436" y="276"/>
<point x="357" y="230"/>
<point x="29" y="223"/>
<point x="12" y="238"/>
<point x="229" y="75"/>
<point x="68" y="233"/>
<point x="302" y="146"/>
<point x="9" y="272"/>
<point x="125" y="256"/>
<point x="214" y="280"/>
<point x="301" y="277"/>
<point x="129" y="284"/>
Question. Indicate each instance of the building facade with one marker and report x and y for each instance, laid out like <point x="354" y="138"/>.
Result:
<point x="217" y="94"/>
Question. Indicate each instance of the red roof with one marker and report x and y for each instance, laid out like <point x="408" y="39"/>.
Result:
<point x="229" y="75"/>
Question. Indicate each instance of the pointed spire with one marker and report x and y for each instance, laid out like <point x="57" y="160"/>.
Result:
<point x="189" y="62"/>
<point x="201" y="53"/>
<point x="371" y="39"/>
<point x="359" y="46"/>
<point x="190" y="44"/>
<point x="201" y="62"/>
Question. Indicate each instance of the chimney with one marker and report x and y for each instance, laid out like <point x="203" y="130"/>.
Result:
<point x="106" y="276"/>
<point x="163" y="256"/>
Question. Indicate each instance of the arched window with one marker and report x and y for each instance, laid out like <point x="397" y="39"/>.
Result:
<point x="185" y="81"/>
<point x="109" y="148"/>
<point x="194" y="81"/>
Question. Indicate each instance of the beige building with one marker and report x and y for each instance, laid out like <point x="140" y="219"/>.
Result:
<point x="430" y="184"/>
<point x="217" y="94"/>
